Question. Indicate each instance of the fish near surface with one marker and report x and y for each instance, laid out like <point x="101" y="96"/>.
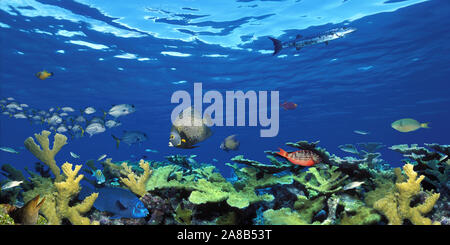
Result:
<point x="188" y="129"/>
<point x="301" y="41"/>
<point x="289" y="106"/>
<point x="120" y="202"/>
<point x="29" y="213"/>
<point x="302" y="157"/>
<point x="44" y="74"/>
<point x="408" y="125"/>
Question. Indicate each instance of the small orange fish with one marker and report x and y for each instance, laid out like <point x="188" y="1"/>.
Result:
<point x="302" y="157"/>
<point x="289" y="105"/>
<point x="44" y="74"/>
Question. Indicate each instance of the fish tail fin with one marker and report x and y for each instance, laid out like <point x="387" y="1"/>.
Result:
<point x="117" y="140"/>
<point x="277" y="46"/>
<point x="282" y="152"/>
<point x="425" y="125"/>
<point x="51" y="74"/>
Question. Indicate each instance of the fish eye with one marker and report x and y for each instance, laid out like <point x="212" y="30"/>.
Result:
<point x="171" y="136"/>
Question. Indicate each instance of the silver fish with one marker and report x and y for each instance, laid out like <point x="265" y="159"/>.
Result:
<point x="61" y="129"/>
<point x="353" y="185"/>
<point x="360" y="132"/>
<point x="9" y="149"/>
<point x="67" y="109"/>
<point x="89" y="110"/>
<point x="20" y="115"/>
<point x="121" y="110"/>
<point x="74" y="155"/>
<point x="301" y="42"/>
<point x="101" y="157"/>
<point x="112" y="123"/>
<point x="54" y="120"/>
<point x="95" y="128"/>
<point x="11" y="184"/>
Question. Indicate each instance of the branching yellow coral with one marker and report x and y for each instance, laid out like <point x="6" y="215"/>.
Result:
<point x="45" y="154"/>
<point x="396" y="206"/>
<point x="137" y="184"/>
<point x="56" y="206"/>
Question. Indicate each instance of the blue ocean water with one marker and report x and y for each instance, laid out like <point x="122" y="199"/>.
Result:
<point x="111" y="52"/>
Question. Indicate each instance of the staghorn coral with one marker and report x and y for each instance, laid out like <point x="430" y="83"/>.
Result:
<point x="396" y="206"/>
<point x="58" y="196"/>
<point x="43" y="151"/>
<point x="137" y="184"/>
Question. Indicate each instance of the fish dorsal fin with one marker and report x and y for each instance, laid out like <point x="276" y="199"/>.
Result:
<point x="120" y="205"/>
<point x="298" y="36"/>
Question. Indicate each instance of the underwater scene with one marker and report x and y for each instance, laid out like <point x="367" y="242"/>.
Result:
<point x="224" y="112"/>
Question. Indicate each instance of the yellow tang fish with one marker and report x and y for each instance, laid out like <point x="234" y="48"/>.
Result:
<point x="44" y="74"/>
<point x="408" y="125"/>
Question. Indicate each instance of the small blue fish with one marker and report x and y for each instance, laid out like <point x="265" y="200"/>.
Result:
<point x="98" y="174"/>
<point x="121" y="202"/>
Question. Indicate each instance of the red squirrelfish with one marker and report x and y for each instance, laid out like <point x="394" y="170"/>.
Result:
<point x="302" y="157"/>
<point x="289" y="105"/>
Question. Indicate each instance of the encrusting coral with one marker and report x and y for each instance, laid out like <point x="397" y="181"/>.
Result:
<point x="396" y="206"/>
<point x="136" y="184"/>
<point x="44" y="153"/>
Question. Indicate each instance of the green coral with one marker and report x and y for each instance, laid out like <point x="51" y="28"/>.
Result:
<point x="5" y="219"/>
<point x="283" y="216"/>
<point x="207" y="186"/>
<point x="356" y="212"/>
<point x="324" y="181"/>
<point x="308" y="207"/>
<point x="183" y="215"/>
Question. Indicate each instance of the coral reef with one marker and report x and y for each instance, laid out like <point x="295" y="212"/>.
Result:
<point x="397" y="206"/>
<point x="45" y="154"/>
<point x="59" y="194"/>
<point x="182" y="191"/>
<point x="323" y="181"/>
<point x="136" y="184"/>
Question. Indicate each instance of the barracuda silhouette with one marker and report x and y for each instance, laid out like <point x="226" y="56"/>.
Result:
<point x="301" y="41"/>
